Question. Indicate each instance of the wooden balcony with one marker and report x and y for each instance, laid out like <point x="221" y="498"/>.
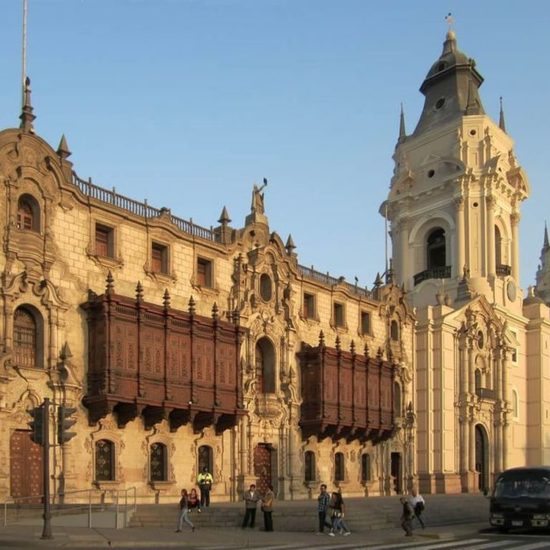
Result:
<point x="345" y="394"/>
<point x="161" y="363"/>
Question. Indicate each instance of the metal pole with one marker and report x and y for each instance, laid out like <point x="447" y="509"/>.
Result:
<point x="47" y="529"/>
<point x="89" y="509"/>
<point x="24" y="54"/>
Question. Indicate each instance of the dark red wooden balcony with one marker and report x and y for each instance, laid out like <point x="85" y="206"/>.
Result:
<point x="161" y="363"/>
<point x="345" y="394"/>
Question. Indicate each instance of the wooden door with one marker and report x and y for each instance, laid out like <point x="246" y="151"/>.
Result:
<point x="262" y="467"/>
<point x="25" y="466"/>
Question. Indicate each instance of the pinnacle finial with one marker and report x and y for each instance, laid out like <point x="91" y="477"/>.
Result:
<point x="192" y="308"/>
<point x="110" y="287"/>
<point x="290" y="246"/>
<point x="546" y="243"/>
<point x="166" y="299"/>
<point x="501" y="123"/>
<point x="139" y="292"/>
<point x="27" y="116"/>
<point x="224" y="217"/>
<point x="63" y="149"/>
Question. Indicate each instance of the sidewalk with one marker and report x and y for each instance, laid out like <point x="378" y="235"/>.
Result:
<point x="18" y="537"/>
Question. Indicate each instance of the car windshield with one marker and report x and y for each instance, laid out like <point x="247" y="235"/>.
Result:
<point x="533" y="487"/>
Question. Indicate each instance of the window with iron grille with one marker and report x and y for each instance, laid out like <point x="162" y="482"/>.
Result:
<point x="365" y="468"/>
<point x="309" y="463"/>
<point x="206" y="459"/>
<point x="28" y="214"/>
<point x="338" y="314"/>
<point x="365" y="322"/>
<point x="25" y="338"/>
<point x="339" y="467"/>
<point x="158" y="462"/>
<point x="104" y="460"/>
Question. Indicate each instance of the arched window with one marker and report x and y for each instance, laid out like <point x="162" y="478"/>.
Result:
<point x="26" y="337"/>
<point x="339" y="467"/>
<point x="309" y="463"/>
<point x="365" y="468"/>
<point x="515" y="403"/>
<point x="498" y="247"/>
<point x="206" y="458"/>
<point x="104" y="460"/>
<point x="477" y="379"/>
<point x="394" y="330"/>
<point x="436" y="253"/>
<point x="158" y="462"/>
<point x="265" y="365"/>
<point x="28" y="213"/>
<point x="397" y="407"/>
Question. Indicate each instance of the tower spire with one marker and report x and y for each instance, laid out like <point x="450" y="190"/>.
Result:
<point x="501" y="123"/>
<point x="402" y="129"/>
<point x="27" y="116"/>
<point x="546" y="245"/>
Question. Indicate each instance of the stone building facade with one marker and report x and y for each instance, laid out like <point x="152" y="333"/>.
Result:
<point x="482" y="381"/>
<point x="183" y="347"/>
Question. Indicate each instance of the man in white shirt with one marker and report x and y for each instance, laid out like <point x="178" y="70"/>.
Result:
<point x="418" y="504"/>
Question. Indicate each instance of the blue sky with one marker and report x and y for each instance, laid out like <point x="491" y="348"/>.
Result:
<point x="189" y="102"/>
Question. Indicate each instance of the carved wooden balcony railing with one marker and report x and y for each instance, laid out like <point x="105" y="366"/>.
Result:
<point x="161" y="363"/>
<point x="345" y="394"/>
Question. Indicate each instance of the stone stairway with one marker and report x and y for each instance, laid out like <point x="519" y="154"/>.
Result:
<point x="361" y="513"/>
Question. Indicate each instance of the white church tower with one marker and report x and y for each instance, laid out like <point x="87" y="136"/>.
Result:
<point x="480" y="385"/>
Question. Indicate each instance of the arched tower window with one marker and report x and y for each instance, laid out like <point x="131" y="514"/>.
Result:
<point x="265" y="365"/>
<point x="365" y="468"/>
<point x="104" y="460"/>
<point x="206" y="458"/>
<point x="477" y="379"/>
<point x="435" y="249"/>
<point x="28" y="214"/>
<point x="158" y="462"/>
<point x="339" y="467"/>
<point x="309" y="463"/>
<point x="27" y="337"/>
<point x="498" y="247"/>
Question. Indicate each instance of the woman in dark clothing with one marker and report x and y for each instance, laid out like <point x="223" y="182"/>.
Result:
<point x="337" y="512"/>
<point x="184" y="511"/>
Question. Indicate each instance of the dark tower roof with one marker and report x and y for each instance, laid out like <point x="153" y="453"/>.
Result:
<point x="451" y="87"/>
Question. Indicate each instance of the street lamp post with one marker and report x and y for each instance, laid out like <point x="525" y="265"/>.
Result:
<point x="409" y="422"/>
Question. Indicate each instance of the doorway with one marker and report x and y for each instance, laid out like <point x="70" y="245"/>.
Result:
<point x="265" y="464"/>
<point x="397" y="472"/>
<point x="481" y="458"/>
<point x="25" y="466"/>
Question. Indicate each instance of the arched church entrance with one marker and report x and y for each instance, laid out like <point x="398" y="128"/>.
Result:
<point x="481" y="458"/>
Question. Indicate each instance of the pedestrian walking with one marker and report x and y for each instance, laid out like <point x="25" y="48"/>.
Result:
<point x="267" y="508"/>
<point x="337" y="512"/>
<point x="407" y="515"/>
<point x="323" y="501"/>
<point x="418" y="504"/>
<point x="205" y="481"/>
<point x="251" y="498"/>
<point x="184" y="512"/>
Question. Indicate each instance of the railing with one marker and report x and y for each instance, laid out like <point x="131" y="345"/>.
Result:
<point x="443" y="272"/>
<point x="117" y="498"/>
<point x="503" y="270"/>
<point x="486" y="393"/>
<point x="139" y="208"/>
<point x="327" y="279"/>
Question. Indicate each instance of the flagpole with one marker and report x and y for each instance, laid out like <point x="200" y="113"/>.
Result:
<point x="24" y="53"/>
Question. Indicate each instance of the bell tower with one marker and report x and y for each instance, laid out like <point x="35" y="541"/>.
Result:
<point x="455" y="195"/>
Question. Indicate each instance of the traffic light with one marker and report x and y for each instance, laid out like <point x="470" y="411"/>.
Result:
<point x="64" y="422"/>
<point x="37" y="424"/>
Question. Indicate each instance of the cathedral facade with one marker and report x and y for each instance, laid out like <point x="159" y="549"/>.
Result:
<point x="183" y="347"/>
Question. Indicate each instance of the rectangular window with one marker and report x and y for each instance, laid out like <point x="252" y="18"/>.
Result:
<point x="309" y="306"/>
<point x="159" y="258"/>
<point x="338" y="314"/>
<point x="365" y="322"/>
<point x="104" y="241"/>
<point x="514" y="354"/>
<point x="204" y="273"/>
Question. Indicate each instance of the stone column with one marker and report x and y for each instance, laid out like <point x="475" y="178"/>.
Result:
<point x="471" y="376"/>
<point x="460" y="258"/>
<point x="514" y="219"/>
<point x="506" y="407"/>
<point x="490" y="202"/>
<point x="404" y="276"/>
